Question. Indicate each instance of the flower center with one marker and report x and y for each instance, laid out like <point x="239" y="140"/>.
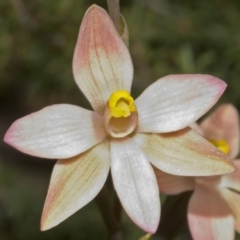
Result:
<point x="221" y="145"/>
<point x="120" y="116"/>
<point x="121" y="104"/>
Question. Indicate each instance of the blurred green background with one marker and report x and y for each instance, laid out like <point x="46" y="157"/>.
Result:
<point x="37" y="39"/>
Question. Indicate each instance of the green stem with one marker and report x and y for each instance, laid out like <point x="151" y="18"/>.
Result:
<point x="173" y="216"/>
<point x="114" y="12"/>
<point x="117" y="207"/>
<point x="107" y="211"/>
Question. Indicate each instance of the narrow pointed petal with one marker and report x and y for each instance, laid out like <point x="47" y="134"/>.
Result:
<point x="232" y="180"/>
<point x="209" y="216"/>
<point x="184" y="153"/>
<point x="57" y="131"/>
<point x="176" y="101"/>
<point x="224" y="124"/>
<point x="233" y="200"/>
<point x="135" y="183"/>
<point x="172" y="184"/>
<point x="101" y="63"/>
<point x="74" y="183"/>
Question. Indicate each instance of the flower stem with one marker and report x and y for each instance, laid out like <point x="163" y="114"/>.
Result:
<point x="103" y="200"/>
<point x="173" y="216"/>
<point x="117" y="207"/>
<point x="114" y="12"/>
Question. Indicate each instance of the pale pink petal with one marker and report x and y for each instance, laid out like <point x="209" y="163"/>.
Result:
<point x="74" y="183"/>
<point x="184" y="153"/>
<point x="135" y="183"/>
<point x="233" y="200"/>
<point x="57" y="131"/>
<point x="209" y="216"/>
<point x="196" y="127"/>
<point x="176" y="101"/>
<point x="101" y="63"/>
<point x="223" y="124"/>
<point x="172" y="184"/>
<point x="232" y="180"/>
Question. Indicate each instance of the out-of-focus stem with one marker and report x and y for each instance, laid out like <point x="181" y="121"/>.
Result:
<point x="117" y="207"/>
<point x="23" y="14"/>
<point x="108" y="215"/>
<point x="114" y="12"/>
<point x="173" y="216"/>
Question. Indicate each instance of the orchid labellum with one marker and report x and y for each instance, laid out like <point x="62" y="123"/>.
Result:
<point x="122" y="133"/>
<point x="214" y="207"/>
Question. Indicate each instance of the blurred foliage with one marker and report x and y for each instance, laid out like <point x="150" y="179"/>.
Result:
<point x="37" y="40"/>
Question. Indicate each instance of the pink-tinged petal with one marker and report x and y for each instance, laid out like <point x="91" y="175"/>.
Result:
<point x="233" y="200"/>
<point x="232" y="180"/>
<point x="135" y="183"/>
<point x="224" y="124"/>
<point x="209" y="216"/>
<point x="195" y="126"/>
<point x="57" y="131"/>
<point x="74" y="183"/>
<point x="101" y="63"/>
<point x="176" y="101"/>
<point x="184" y="153"/>
<point x="172" y="184"/>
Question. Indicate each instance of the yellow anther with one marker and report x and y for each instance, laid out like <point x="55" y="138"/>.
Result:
<point x="221" y="145"/>
<point x="121" y="104"/>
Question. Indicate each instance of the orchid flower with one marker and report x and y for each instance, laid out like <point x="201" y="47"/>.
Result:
<point x="120" y="133"/>
<point x="214" y="207"/>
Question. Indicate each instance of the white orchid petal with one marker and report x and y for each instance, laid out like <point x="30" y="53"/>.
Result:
<point x="176" y="101"/>
<point x="74" y="183"/>
<point x="101" y="63"/>
<point x="184" y="153"/>
<point x="135" y="183"/>
<point x="209" y="216"/>
<point x="57" y="131"/>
